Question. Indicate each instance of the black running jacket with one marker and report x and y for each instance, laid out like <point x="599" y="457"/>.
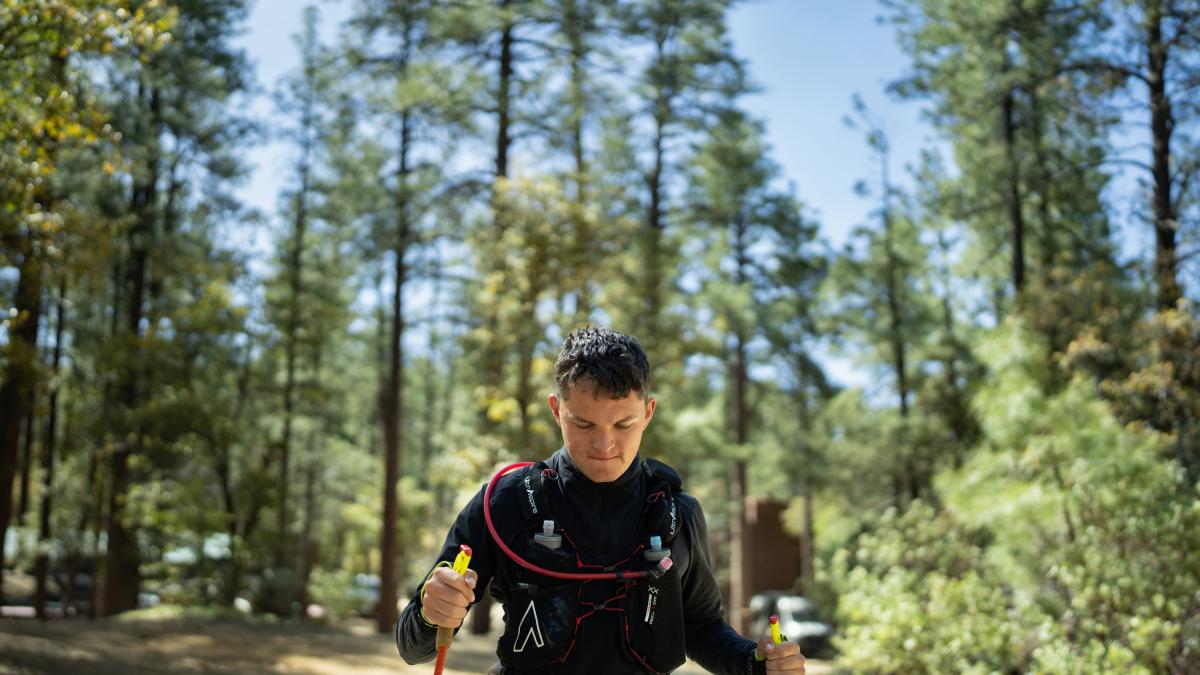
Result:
<point x="604" y="521"/>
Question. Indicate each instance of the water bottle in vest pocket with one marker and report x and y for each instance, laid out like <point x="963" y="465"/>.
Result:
<point x="539" y="624"/>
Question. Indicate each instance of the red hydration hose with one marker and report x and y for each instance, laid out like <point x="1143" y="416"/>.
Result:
<point x="574" y="576"/>
<point x="664" y="565"/>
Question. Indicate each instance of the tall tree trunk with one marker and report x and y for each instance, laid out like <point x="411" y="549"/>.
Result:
<point x="292" y="336"/>
<point x="575" y="23"/>
<point x="237" y="527"/>
<point x="741" y="578"/>
<point x="42" y="564"/>
<point x="392" y="398"/>
<point x="1016" y="218"/>
<point x="653" y="237"/>
<point x="895" y="317"/>
<point x="20" y="377"/>
<point x="308" y="546"/>
<point x="429" y="399"/>
<point x="1045" y="233"/>
<point x="808" y="542"/>
<point x="503" y="93"/>
<point x="26" y="459"/>
<point x="19" y="381"/>
<point x="530" y="335"/>
<point x="808" y="545"/>
<point x="493" y="356"/>
<point x="1162" y="125"/>
<point x="896" y="337"/>
<point x="86" y="519"/>
<point x="122" y="576"/>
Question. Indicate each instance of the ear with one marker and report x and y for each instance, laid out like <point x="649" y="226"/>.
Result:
<point x="552" y="399"/>
<point x="651" y="404"/>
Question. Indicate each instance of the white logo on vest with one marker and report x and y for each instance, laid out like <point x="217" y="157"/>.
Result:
<point x="651" y="603"/>
<point x="534" y="631"/>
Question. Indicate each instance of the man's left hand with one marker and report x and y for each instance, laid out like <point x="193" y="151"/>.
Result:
<point x="784" y="657"/>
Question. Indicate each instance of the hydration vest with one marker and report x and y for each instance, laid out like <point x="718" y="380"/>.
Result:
<point x="544" y="616"/>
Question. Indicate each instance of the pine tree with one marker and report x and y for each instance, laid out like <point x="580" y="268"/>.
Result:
<point x="397" y="45"/>
<point x="690" y="60"/>
<point x="737" y="211"/>
<point x="878" y="301"/>
<point x="1028" y="128"/>
<point x="174" y="103"/>
<point x="46" y="48"/>
<point x="308" y="293"/>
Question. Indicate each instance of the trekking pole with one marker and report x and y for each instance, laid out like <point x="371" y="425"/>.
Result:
<point x="776" y="637"/>
<point x="445" y="636"/>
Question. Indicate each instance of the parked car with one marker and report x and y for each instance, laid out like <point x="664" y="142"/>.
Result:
<point x="799" y="620"/>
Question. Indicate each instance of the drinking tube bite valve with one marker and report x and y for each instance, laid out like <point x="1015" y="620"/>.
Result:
<point x="663" y="565"/>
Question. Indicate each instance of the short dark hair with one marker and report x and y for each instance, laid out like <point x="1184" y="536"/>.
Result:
<point x="604" y="359"/>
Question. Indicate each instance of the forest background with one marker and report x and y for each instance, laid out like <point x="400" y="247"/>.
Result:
<point x="186" y="414"/>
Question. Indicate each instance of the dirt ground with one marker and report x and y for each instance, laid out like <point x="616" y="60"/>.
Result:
<point x="110" y="647"/>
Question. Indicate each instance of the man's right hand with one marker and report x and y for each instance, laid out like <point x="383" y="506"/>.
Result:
<point x="447" y="595"/>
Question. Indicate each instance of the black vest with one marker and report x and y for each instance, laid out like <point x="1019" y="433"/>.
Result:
<point x="545" y="616"/>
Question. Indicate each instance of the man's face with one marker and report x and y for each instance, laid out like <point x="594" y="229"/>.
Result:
<point x="602" y="434"/>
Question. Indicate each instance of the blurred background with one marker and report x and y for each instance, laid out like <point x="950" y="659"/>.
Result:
<point x="284" y="286"/>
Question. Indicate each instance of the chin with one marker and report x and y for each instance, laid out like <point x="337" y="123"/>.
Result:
<point x="604" y="476"/>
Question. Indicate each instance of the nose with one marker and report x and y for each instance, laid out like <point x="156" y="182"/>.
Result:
<point x="602" y="441"/>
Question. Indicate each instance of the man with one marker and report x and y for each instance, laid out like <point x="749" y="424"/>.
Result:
<point x="598" y="557"/>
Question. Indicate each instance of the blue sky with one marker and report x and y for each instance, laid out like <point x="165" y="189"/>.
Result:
<point x="810" y="57"/>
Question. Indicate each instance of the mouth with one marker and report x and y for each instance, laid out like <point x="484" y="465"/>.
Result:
<point x="602" y="459"/>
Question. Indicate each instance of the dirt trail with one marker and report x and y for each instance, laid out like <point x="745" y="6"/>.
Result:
<point x="215" y="646"/>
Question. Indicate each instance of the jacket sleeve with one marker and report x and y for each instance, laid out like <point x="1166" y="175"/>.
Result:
<point x="709" y="640"/>
<point x="415" y="639"/>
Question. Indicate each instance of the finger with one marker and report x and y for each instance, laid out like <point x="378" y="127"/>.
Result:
<point x="448" y="605"/>
<point x="452" y="579"/>
<point x="472" y="579"/>
<point x="791" y="665"/>
<point x="442" y="613"/>
<point x="448" y="595"/>
<point x="785" y="650"/>
<point x="766" y="646"/>
<point x="760" y="649"/>
<point x="786" y="658"/>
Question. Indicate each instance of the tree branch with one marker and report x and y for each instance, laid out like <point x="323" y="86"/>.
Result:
<point x="1098" y="66"/>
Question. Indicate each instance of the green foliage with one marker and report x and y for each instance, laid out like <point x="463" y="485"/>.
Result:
<point x="1016" y="493"/>
<point x="917" y="596"/>
<point x="1026" y="124"/>
<point x="329" y="590"/>
<point x="1068" y="536"/>
<point x="45" y="101"/>
<point x="1162" y="387"/>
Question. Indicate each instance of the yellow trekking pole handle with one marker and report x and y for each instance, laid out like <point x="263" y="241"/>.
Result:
<point x="446" y="635"/>
<point x="776" y="637"/>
